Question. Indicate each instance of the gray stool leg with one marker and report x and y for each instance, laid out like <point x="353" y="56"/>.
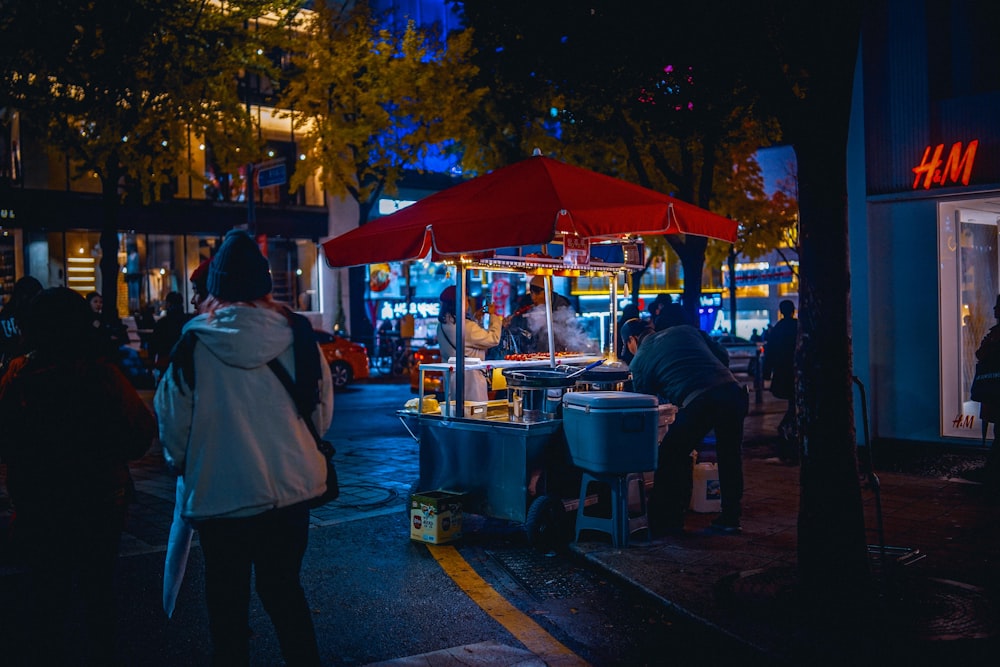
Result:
<point x="641" y="520"/>
<point x="621" y="524"/>
<point x="619" y="510"/>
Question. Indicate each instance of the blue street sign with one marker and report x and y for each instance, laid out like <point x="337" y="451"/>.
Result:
<point x="271" y="175"/>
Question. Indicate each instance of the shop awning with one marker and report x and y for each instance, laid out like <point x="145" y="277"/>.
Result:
<point x="531" y="202"/>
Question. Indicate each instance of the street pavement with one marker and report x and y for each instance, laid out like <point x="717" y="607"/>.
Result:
<point x="936" y="581"/>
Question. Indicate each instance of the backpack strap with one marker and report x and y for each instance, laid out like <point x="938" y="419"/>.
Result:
<point x="308" y="372"/>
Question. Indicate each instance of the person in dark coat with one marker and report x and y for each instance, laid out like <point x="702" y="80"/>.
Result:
<point x="167" y="331"/>
<point x="110" y="333"/>
<point x="988" y="361"/>
<point x="71" y="422"/>
<point x="781" y="353"/>
<point x="656" y="306"/>
<point x="11" y="338"/>
<point x="682" y="365"/>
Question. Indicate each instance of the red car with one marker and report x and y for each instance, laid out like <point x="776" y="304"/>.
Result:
<point x="348" y="361"/>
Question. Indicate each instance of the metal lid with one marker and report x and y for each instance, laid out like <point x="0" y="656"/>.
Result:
<point x="609" y="372"/>
<point x="609" y="400"/>
<point x="533" y="377"/>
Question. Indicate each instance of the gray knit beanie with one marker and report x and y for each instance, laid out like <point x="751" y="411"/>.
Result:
<point x="239" y="272"/>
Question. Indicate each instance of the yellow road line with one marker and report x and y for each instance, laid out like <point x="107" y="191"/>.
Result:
<point x="529" y="633"/>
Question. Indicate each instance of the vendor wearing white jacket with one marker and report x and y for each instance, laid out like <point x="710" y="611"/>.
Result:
<point x="477" y="340"/>
<point x="249" y="462"/>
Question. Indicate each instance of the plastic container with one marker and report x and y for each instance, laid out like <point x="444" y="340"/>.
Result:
<point x="611" y="431"/>
<point x="666" y="413"/>
<point x="706" y="494"/>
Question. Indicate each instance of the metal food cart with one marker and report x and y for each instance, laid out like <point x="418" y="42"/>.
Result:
<point x="541" y="217"/>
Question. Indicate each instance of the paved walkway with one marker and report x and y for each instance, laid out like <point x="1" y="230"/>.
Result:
<point x="936" y="599"/>
<point x="936" y="592"/>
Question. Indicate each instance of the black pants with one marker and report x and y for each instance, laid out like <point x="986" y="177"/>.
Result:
<point x="723" y="409"/>
<point x="272" y="544"/>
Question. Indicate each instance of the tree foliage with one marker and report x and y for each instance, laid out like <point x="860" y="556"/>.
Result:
<point x="368" y="103"/>
<point x="121" y="88"/>
<point x="631" y="90"/>
<point x="670" y="96"/>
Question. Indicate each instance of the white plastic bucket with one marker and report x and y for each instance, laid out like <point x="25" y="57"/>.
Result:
<point x="706" y="494"/>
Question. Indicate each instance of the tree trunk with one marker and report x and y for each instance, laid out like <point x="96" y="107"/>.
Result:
<point x="833" y="558"/>
<point x="692" y="255"/>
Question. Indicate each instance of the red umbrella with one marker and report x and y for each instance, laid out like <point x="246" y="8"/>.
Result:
<point x="527" y="203"/>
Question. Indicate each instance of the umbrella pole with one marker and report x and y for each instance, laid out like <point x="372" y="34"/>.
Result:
<point x="613" y="309"/>
<point x="548" y="320"/>
<point x="460" y="289"/>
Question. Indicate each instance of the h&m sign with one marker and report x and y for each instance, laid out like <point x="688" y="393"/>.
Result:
<point x="953" y="170"/>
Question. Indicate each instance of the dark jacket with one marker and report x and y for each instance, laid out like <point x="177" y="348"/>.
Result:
<point x="780" y="353"/>
<point x="678" y="364"/>
<point x="69" y="428"/>
<point x="988" y="358"/>
<point x="166" y="333"/>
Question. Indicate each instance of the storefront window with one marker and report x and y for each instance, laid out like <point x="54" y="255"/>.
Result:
<point x="163" y="271"/>
<point x="970" y="282"/>
<point x="8" y="269"/>
<point x="79" y="255"/>
<point x="295" y="272"/>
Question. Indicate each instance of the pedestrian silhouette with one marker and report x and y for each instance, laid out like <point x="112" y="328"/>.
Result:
<point x="11" y="336"/>
<point x="988" y="394"/>
<point x="71" y="421"/>
<point x="167" y="331"/>
<point x="781" y="354"/>
<point x="682" y="365"/>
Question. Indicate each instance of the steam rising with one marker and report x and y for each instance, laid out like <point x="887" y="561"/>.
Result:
<point x="569" y="335"/>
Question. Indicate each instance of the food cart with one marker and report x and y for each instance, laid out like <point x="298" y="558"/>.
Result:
<point x="540" y="217"/>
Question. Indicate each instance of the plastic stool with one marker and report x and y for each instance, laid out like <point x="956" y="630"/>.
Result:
<point x="620" y="525"/>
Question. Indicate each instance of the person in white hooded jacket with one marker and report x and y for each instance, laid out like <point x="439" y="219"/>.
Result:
<point x="249" y="462"/>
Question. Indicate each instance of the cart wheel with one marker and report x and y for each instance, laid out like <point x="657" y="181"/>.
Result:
<point x="547" y="523"/>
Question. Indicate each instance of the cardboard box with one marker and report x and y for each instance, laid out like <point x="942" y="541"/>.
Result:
<point x="473" y="409"/>
<point x="435" y="516"/>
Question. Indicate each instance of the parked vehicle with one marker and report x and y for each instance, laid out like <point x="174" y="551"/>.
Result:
<point x="743" y="355"/>
<point x="348" y="361"/>
<point x="433" y="380"/>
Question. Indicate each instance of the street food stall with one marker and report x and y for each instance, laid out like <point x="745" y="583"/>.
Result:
<point x="544" y="218"/>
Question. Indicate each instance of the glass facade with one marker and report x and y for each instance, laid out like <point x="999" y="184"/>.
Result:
<point x="970" y="282"/>
<point x="151" y="265"/>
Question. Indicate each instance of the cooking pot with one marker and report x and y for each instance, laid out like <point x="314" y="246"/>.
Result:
<point x="537" y="378"/>
<point x="536" y="394"/>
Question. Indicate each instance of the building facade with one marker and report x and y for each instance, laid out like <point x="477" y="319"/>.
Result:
<point x="50" y="224"/>
<point x="924" y="214"/>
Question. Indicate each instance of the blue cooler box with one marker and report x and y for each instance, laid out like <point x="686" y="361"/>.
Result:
<point x="611" y="431"/>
